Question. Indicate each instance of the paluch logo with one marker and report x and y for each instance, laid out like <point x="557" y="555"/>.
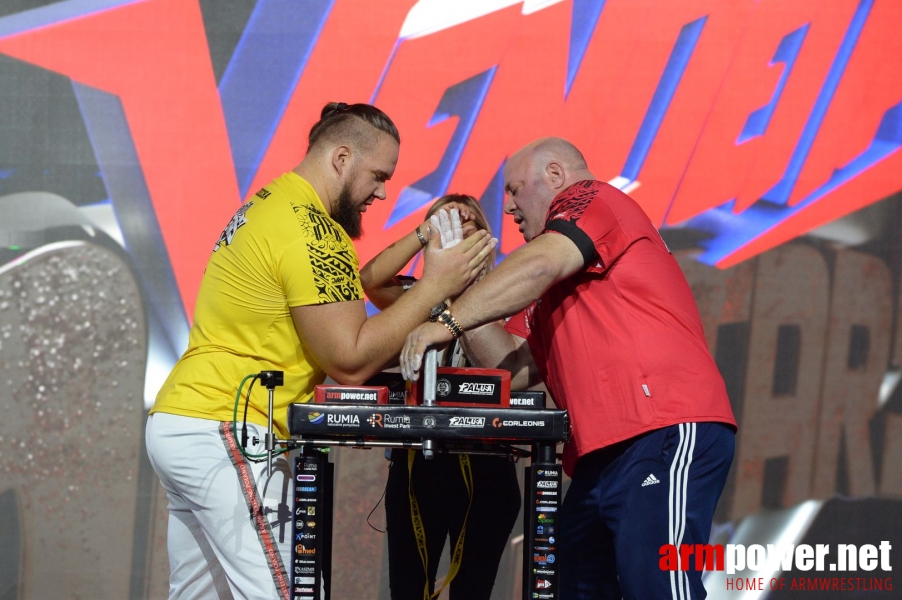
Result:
<point x="477" y="389"/>
<point x="467" y="422"/>
<point x="546" y="483"/>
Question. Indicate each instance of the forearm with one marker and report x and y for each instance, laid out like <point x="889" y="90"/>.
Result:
<point x="509" y="288"/>
<point x="350" y="347"/>
<point x="518" y="281"/>
<point x="491" y="346"/>
<point x="381" y="336"/>
<point x="383" y="267"/>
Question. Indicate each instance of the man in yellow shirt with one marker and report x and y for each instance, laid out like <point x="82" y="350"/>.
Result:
<point x="281" y="292"/>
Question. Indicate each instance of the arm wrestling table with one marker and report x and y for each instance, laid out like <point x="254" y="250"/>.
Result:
<point x="431" y="428"/>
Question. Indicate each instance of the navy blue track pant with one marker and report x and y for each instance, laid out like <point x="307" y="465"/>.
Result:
<point x="628" y="500"/>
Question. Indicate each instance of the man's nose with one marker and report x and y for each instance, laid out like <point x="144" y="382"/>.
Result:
<point x="380" y="192"/>
<point x="509" y="206"/>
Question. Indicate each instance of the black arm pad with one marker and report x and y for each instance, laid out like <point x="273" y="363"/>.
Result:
<point x="577" y="236"/>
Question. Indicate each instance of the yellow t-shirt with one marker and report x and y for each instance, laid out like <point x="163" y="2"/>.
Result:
<point x="280" y="249"/>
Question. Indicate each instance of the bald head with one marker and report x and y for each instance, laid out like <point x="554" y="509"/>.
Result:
<point x="545" y="150"/>
<point x="535" y="174"/>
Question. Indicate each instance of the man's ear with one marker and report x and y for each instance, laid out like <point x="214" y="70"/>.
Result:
<point x="341" y="158"/>
<point x="554" y="174"/>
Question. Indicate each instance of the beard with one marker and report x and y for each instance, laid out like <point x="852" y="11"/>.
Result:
<point x="347" y="215"/>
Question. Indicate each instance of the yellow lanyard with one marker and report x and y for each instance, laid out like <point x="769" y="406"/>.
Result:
<point x="419" y="531"/>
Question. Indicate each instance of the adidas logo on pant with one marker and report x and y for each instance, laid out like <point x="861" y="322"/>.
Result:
<point x="650" y="480"/>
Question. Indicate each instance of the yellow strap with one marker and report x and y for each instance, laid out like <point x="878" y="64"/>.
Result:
<point x="458" y="553"/>
<point x="419" y="531"/>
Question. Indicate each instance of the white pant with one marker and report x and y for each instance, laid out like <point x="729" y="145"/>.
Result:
<point x="229" y="520"/>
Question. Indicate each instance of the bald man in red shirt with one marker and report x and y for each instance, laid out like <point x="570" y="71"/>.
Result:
<point x="604" y="315"/>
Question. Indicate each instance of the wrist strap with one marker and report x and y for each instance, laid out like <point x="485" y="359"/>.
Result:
<point x="420" y="237"/>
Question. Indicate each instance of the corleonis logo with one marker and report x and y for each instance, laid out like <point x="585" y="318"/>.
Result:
<point x="496" y="422"/>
